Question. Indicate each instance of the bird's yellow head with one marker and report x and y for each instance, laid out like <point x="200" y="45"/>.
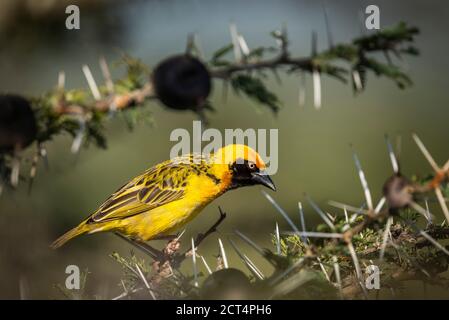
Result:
<point x="244" y="165"/>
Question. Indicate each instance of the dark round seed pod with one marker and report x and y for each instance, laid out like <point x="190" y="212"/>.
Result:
<point x="226" y="284"/>
<point x="18" y="127"/>
<point x="397" y="192"/>
<point x="182" y="82"/>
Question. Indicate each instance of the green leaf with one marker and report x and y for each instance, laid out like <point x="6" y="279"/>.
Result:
<point x="255" y="89"/>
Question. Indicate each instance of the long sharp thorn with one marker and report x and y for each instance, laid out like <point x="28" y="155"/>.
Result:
<point x="355" y="260"/>
<point x="243" y="45"/>
<point x="357" y="80"/>
<point x="256" y="269"/>
<point x="15" y="171"/>
<point x="145" y="282"/>
<point x="364" y="182"/>
<point x="446" y="167"/>
<point x="337" y="274"/>
<point x="442" y="202"/>
<point x="195" y="272"/>
<point x="107" y="75"/>
<point x="278" y="239"/>
<point x="206" y="265"/>
<point x="426" y="153"/>
<point x="385" y="238"/>
<point x="421" y="210"/>
<point x="394" y="161"/>
<point x="434" y="242"/>
<point x="61" y="80"/>
<point x="303" y="221"/>
<point x="326" y="274"/>
<point x="180" y="235"/>
<point x="380" y="204"/>
<point x="91" y="82"/>
<point x="223" y="254"/>
<point x="78" y="140"/>
<point x="346" y="214"/>
<point x="281" y="211"/>
<point x="320" y="213"/>
<point x="235" y="42"/>
<point x="316" y="88"/>
<point x="250" y="242"/>
<point x="313" y="234"/>
<point x="347" y="207"/>
<point x="250" y="267"/>
<point x="429" y="216"/>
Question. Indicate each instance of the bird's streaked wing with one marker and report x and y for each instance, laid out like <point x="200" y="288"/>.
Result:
<point x="158" y="186"/>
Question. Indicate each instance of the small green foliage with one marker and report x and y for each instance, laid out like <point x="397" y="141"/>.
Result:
<point x="137" y="74"/>
<point x="256" y="90"/>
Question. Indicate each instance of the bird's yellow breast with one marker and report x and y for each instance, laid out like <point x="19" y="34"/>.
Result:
<point x="199" y="192"/>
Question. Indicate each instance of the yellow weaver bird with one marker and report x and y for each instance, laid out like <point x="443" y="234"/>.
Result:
<point x="170" y="194"/>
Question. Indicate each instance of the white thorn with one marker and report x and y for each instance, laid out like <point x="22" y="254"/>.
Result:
<point x="243" y="45"/>
<point x="323" y="269"/>
<point x="446" y="166"/>
<point x="429" y="216"/>
<point x="206" y="265"/>
<point x="180" y="235"/>
<point x="278" y="239"/>
<point x="380" y="204"/>
<point x="364" y="182"/>
<point x="433" y="241"/>
<point x="346" y="214"/>
<point x="337" y="273"/>
<point x="421" y="210"/>
<point x="348" y="207"/>
<point x="355" y="260"/>
<point x="235" y="42"/>
<point x="61" y="80"/>
<point x="316" y="89"/>
<point x="357" y="80"/>
<point x="195" y="272"/>
<point x="442" y="202"/>
<point x="106" y="75"/>
<point x="77" y="141"/>
<point x="283" y="213"/>
<point x="426" y="153"/>
<point x="394" y="161"/>
<point x="321" y="213"/>
<point x="259" y="273"/>
<point x="15" y="171"/>
<point x="313" y="234"/>
<point x="302" y="220"/>
<point x="91" y="82"/>
<point x="385" y="237"/>
<point x="145" y="282"/>
<point x="223" y="254"/>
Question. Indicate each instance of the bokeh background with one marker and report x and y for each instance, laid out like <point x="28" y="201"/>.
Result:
<point x="314" y="152"/>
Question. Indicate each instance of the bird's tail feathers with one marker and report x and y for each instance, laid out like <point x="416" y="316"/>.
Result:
<point x="68" y="236"/>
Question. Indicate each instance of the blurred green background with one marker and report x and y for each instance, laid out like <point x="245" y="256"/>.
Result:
<point x="314" y="152"/>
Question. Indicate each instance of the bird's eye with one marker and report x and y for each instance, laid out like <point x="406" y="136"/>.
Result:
<point x="252" y="166"/>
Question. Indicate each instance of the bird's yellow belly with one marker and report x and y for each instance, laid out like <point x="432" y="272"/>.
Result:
<point x="159" y="221"/>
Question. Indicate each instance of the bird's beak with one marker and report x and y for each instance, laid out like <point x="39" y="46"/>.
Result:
<point x="263" y="179"/>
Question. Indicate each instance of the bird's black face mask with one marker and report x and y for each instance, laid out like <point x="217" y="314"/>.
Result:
<point x="246" y="173"/>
